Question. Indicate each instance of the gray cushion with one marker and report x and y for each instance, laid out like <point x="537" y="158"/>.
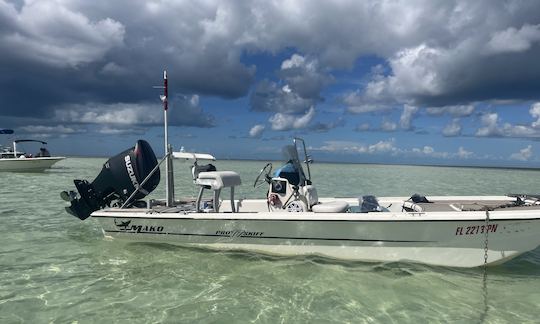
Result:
<point x="331" y="207"/>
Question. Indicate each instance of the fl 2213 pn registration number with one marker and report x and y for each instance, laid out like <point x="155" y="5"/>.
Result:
<point x="476" y="229"/>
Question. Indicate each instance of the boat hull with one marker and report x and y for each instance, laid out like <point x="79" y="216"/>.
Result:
<point x="28" y="164"/>
<point x="443" y="239"/>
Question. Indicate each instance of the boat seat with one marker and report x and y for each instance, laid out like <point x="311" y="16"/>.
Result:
<point x="331" y="207"/>
<point x="217" y="180"/>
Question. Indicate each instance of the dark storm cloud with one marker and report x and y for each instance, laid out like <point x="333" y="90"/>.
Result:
<point x="197" y="42"/>
<point x="498" y="76"/>
<point x="36" y="91"/>
<point x="57" y="56"/>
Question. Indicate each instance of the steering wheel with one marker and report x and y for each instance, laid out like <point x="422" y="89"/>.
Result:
<point x="266" y="171"/>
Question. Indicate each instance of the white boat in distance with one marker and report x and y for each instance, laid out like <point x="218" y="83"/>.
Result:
<point x="292" y="220"/>
<point x="13" y="160"/>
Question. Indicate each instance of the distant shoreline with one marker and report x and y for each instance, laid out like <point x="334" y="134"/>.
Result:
<point x="366" y="163"/>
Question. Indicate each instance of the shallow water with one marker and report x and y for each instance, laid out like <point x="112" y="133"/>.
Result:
<point x="56" y="268"/>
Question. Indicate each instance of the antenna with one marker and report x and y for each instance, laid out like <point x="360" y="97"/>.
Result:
<point x="169" y="179"/>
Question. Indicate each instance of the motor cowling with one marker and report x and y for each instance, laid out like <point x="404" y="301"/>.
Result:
<point x="120" y="176"/>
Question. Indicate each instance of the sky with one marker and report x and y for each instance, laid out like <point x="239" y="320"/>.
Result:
<point x="413" y="82"/>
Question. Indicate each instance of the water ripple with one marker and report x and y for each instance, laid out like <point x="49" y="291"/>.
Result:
<point x="58" y="269"/>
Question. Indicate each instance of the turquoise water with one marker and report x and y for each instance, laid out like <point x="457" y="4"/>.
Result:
<point x="55" y="268"/>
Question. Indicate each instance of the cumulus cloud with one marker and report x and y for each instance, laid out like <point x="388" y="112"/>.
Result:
<point x="294" y="102"/>
<point x="405" y="121"/>
<point x="42" y="129"/>
<point x="47" y="131"/>
<point x="304" y="76"/>
<point x="127" y="114"/>
<point x="407" y="116"/>
<point x="357" y="105"/>
<point x="523" y="155"/>
<point x="494" y="61"/>
<point x="514" y="40"/>
<point x="388" y="147"/>
<point x="299" y="88"/>
<point x="491" y="127"/>
<point x="51" y="33"/>
<point x="413" y="74"/>
<point x="373" y="98"/>
<point x="535" y="113"/>
<point x="121" y="130"/>
<point x="388" y="126"/>
<point x="341" y="147"/>
<point x="453" y="128"/>
<point x="362" y="127"/>
<point x="183" y="111"/>
<point x="269" y="96"/>
<point x="380" y="147"/>
<point x="454" y="111"/>
<point x="321" y="127"/>
<point x="428" y="151"/>
<point x="285" y="122"/>
<point x="464" y="154"/>
<point x="256" y="131"/>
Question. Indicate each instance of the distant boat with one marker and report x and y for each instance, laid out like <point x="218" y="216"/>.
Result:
<point x="13" y="160"/>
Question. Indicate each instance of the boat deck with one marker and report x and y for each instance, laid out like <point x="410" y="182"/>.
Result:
<point x="446" y="204"/>
<point x="469" y="204"/>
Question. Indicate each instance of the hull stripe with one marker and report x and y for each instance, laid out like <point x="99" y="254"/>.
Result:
<point x="272" y="237"/>
<point x="322" y="220"/>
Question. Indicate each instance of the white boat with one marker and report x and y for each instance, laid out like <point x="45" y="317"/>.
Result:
<point x="291" y="220"/>
<point x="13" y="160"/>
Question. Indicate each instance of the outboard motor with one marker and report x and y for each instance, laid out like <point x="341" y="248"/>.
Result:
<point x="120" y="177"/>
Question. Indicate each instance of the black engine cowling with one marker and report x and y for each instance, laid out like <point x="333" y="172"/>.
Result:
<point x="120" y="176"/>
